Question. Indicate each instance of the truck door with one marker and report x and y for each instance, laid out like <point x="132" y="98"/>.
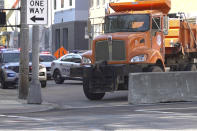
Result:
<point x="157" y="35"/>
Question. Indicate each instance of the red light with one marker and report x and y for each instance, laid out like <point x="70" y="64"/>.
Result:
<point x="45" y="52"/>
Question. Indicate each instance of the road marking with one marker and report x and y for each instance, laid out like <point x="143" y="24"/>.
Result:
<point x="159" y="110"/>
<point x="23" y="117"/>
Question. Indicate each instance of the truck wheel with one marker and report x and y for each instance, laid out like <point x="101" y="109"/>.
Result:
<point x="43" y="84"/>
<point x="57" y="77"/>
<point x="90" y="95"/>
<point x="155" y="69"/>
<point x="190" y="67"/>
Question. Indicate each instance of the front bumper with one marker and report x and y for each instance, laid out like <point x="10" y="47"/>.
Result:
<point x="12" y="77"/>
<point x="106" y="77"/>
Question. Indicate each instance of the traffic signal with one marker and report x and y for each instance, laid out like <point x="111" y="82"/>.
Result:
<point x="2" y="18"/>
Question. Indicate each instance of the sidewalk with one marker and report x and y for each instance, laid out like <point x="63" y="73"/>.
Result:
<point x="9" y="103"/>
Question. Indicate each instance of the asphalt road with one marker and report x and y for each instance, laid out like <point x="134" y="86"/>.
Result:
<point x="70" y="95"/>
<point x="75" y="112"/>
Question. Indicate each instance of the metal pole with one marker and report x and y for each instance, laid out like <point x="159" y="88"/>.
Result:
<point x="34" y="96"/>
<point x="24" y="57"/>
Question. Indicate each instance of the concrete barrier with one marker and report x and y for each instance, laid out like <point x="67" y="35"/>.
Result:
<point x="147" y="88"/>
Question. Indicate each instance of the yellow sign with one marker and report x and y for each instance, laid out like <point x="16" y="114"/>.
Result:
<point x="3" y="40"/>
<point x="60" y="52"/>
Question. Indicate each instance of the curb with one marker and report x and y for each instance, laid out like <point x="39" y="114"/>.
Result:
<point x="20" y="107"/>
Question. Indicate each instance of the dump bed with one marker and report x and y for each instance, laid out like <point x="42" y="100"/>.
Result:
<point x="181" y="37"/>
<point x="160" y="5"/>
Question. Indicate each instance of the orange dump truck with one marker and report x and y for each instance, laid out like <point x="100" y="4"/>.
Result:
<point x="138" y="37"/>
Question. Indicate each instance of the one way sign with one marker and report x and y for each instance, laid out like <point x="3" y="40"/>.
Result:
<point x="37" y="12"/>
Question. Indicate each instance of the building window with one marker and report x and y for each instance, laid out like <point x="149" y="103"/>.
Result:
<point x="57" y="39"/>
<point x="70" y="2"/>
<point x="91" y="3"/>
<point x="65" y="38"/>
<point x="62" y="3"/>
<point x="97" y="29"/>
<point x="55" y="4"/>
<point x="98" y="2"/>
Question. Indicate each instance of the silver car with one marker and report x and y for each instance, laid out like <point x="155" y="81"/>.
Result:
<point x="9" y="69"/>
<point x="60" y="69"/>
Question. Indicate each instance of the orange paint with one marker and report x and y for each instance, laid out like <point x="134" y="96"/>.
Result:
<point x="161" y="5"/>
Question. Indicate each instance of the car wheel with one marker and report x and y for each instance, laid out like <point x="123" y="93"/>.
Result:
<point x="43" y="84"/>
<point x="90" y="95"/>
<point x="57" y="77"/>
<point x="4" y="85"/>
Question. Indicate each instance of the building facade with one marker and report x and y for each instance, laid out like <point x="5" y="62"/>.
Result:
<point x="1" y="4"/>
<point x="188" y="7"/>
<point x="70" y="21"/>
<point x="99" y="8"/>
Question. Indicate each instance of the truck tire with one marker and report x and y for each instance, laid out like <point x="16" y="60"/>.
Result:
<point x="90" y="95"/>
<point x="155" y="69"/>
<point x="190" y="67"/>
<point x="57" y="77"/>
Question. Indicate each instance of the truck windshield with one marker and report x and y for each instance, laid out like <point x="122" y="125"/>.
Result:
<point x="127" y="23"/>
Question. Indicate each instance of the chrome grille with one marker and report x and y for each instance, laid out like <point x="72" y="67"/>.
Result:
<point x="110" y="51"/>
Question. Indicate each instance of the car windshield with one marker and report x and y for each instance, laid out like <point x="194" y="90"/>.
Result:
<point x="127" y="23"/>
<point x="46" y="58"/>
<point x="13" y="57"/>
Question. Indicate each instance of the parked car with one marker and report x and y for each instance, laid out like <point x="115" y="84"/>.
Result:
<point x="46" y="59"/>
<point x="60" y="69"/>
<point x="9" y="68"/>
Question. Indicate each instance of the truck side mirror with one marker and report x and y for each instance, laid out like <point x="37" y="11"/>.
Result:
<point x="165" y="25"/>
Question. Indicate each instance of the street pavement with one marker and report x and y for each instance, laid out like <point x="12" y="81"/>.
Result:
<point x="9" y="103"/>
<point x="55" y="98"/>
<point x="65" y="107"/>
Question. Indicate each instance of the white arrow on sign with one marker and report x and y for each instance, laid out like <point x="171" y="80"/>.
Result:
<point x="37" y="12"/>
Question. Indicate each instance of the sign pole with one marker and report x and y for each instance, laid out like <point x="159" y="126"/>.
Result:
<point x="37" y="14"/>
<point x="34" y="96"/>
<point x="24" y="54"/>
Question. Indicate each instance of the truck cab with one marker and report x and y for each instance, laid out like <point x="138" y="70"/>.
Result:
<point x="133" y="41"/>
<point x="131" y="38"/>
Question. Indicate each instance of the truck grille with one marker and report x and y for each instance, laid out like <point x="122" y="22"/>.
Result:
<point x="110" y="51"/>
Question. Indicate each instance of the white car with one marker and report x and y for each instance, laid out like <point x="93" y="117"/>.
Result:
<point x="60" y="69"/>
<point x="46" y="60"/>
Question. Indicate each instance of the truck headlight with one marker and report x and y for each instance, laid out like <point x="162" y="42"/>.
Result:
<point x="139" y="58"/>
<point x="86" y="60"/>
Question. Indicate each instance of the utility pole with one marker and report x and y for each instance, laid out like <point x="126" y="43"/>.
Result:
<point x="34" y="96"/>
<point x="24" y="53"/>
